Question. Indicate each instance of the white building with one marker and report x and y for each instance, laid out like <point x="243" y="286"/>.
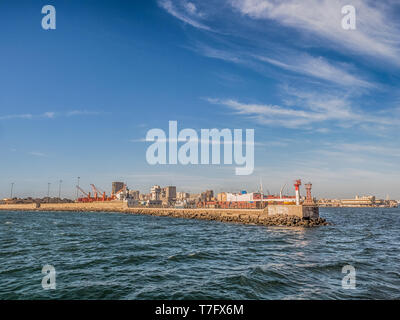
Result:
<point x="155" y="193"/>
<point x="256" y="196"/>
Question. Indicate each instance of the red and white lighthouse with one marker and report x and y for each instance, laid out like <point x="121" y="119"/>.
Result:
<point x="297" y="185"/>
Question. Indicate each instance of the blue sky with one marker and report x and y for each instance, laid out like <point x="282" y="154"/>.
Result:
<point x="78" y="100"/>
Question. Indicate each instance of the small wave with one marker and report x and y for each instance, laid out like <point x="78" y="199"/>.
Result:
<point x="191" y="255"/>
<point x="138" y="259"/>
<point x="68" y="225"/>
<point x="8" y="222"/>
<point x="263" y="271"/>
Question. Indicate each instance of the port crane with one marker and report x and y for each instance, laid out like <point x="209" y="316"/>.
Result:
<point x="99" y="195"/>
<point x="88" y="197"/>
<point x="280" y="192"/>
<point x="97" y="192"/>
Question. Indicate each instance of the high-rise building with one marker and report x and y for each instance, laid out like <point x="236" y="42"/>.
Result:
<point x="163" y="194"/>
<point x="170" y="193"/>
<point x="155" y="193"/>
<point x="208" y="195"/>
<point x="117" y="186"/>
<point x="144" y="197"/>
<point x="134" y="194"/>
<point x="182" y="196"/>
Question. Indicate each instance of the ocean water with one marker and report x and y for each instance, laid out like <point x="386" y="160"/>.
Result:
<point x="123" y="256"/>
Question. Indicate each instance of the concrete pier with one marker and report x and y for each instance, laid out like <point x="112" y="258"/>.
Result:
<point x="301" y="211"/>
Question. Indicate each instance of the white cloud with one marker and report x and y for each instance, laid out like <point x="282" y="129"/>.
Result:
<point x="362" y="148"/>
<point x="49" y="115"/>
<point x="188" y="13"/>
<point x="219" y="54"/>
<point x="81" y="112"/>
<point x="376" y="35"/>
<point x="190" y="7"/>
<point x="315" y="108"/>
<point x="37" y="154"/>
<point x="303" y="64"/>
<point x="273" y="114"/>
<point x="16" y="116"/>
<point x="318" y="68"/>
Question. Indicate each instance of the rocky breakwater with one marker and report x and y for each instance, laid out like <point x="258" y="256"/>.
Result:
<point x="266" y="217"/>
<point x="256" y="217"/>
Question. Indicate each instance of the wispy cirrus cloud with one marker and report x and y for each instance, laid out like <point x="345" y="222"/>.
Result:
<point x="319" y="68"/>
<point x="185" y="11"/>
<point x="364" y="148"/>
<point x="48" y="115"/>
<point x="220" y="54"/>
<point x="82" y="113"/>
<point x="37" y="154"/>
<point x="377" y="36"/>
<point x="305" y="110"/>
<point x="273" y="114"/>
<point x="377" y="33"/>
<point x="16" y="116"/>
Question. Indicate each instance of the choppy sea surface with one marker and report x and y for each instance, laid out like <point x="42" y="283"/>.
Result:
<point x="124" y="256"/>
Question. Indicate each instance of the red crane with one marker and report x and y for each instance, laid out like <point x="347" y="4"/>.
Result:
<point x="87" y="199"/>
<point x="97" y="192"/>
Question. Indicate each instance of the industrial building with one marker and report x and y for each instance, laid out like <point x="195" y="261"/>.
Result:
<point x="117" y="186"/>
<point x="359" y="202"/>
<point x="365" y="201"/>
<point x="99" y="195"/>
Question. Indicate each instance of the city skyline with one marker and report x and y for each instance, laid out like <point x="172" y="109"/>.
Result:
<point x="322" y="101"/>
